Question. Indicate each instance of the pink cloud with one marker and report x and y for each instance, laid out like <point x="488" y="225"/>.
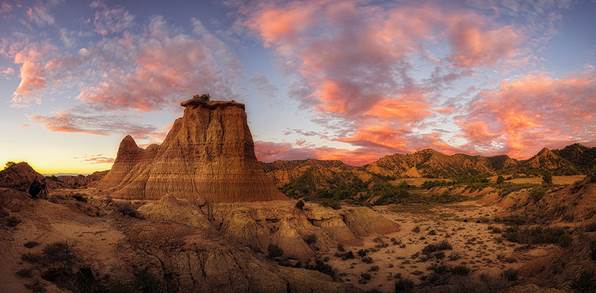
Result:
<point x="32" y="75"/>
<point x="167" y="65"/>
<point x="351" y="55"/>
<point x="521" y="116"/>
<point x="271" y="151"/>
<point x="474" y="46"/>
<point x="71" y="122"/>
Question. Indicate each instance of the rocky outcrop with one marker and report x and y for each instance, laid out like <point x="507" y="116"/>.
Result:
<point x="74" y="181"/>
<point x="208" y="155"/>
<point x="22" y="177"/>
<point x="258" y="225"/>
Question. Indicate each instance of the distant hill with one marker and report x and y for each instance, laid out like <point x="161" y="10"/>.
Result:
<point x="571" y="160"/>
<point x="320" y="174"/>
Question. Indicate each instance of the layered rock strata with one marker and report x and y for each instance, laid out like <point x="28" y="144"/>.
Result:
<point x="208" y="155"/>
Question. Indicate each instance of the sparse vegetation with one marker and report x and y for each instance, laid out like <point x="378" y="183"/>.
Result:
<point x="500" y="180"/>
<point x="537" y="193"/>
<point x="310" y="239"/>
<point x="538" y="235"/>
<point x="547" y="178"/>
<point x="434" y="247"/>
<point x="404" y="285"/>
<point x="300" y="205"/>
<point x="128" y="210"/>
<point x="274" y="251"/>
<point x="31" y="244"/>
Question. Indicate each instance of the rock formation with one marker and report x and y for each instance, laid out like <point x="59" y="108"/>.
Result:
<point x="22" y="177"/>
<point x="75" y="181"/>
<point x="208" y="155"/>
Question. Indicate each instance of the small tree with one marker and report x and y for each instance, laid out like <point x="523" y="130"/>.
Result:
<point x="9" y="164"/>
<point x="300" y="205"/>
<point x="547" y="178"/>
<point x="500" y="180"/>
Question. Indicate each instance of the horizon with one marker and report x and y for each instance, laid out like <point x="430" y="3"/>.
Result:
<point x="320" y="79"/>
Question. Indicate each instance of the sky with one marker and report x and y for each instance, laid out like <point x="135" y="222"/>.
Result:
<point x="348" y="80"/>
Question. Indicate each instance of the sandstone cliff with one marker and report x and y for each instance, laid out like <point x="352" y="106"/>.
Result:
<point x="208" y="155"/>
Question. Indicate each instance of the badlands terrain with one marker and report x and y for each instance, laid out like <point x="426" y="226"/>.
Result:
<point x="199" y="213"/>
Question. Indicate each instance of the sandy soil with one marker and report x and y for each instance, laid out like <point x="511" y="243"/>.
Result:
<point x="474" y="246"/>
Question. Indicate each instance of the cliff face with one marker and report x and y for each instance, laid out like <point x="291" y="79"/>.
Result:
<point x="208" y="155"/>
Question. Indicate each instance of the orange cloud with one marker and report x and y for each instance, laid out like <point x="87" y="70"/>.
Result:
<point x="474" y="46"/>
<point x="350" y="55"/>
<point x="521" y="116"/>
<point x="32" y="73"/>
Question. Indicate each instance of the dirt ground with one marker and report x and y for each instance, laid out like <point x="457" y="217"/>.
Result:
<point x="475" y="245"/>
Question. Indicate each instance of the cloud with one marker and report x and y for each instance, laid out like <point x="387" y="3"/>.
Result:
<point x="7" y="71"/>
<point x="5" y="7"/>
<point x="351" y="55"/>
<point x="108" y="20"/>
<point x="271" y="151"/>
<point x="263" y="85"/>
<point x="521" y="116"/>
<point x="71" y="122"/>
<point x="473" y="46"/>
<point x="96" y="159"/>
<point x="32" y="75"/>
<point x="165" y="65"/>
<point x="39" y="14"/>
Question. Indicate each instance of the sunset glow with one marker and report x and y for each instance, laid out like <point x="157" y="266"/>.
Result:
<point x="346" y="80"/>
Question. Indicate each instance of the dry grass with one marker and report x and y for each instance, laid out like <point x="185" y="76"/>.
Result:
<point x="559" y="180"/>
<point x="416" y="181"/>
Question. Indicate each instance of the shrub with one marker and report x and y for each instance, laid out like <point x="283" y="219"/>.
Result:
<point x="510" y="275"/>
<point x="310" y="239"/>
<point x="365" y="276"/>
<point x="324" y="268"/>
<point x="126" y="209"/>
<point x="79" y="197"/>
<point x="584" y="282"/>
<point x="403" y="285"/>
<point x="538" y="235"/>
<point x="274" y="251"/>
<point x="24" y="273"/>
<point x="367" y="259"/>
<point x="31" y="244"/>
<point x="433" y="247"/>
<point x="537" y="193"/>
<point x="300" y="205"/>
<point x="9" y="164"/>
<point x="460" y="270"/>
<point x="500" y="180"/>
<point x="11" y="221"/>
<point x="547" y="178"/>
<point x="58" y="252"/>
